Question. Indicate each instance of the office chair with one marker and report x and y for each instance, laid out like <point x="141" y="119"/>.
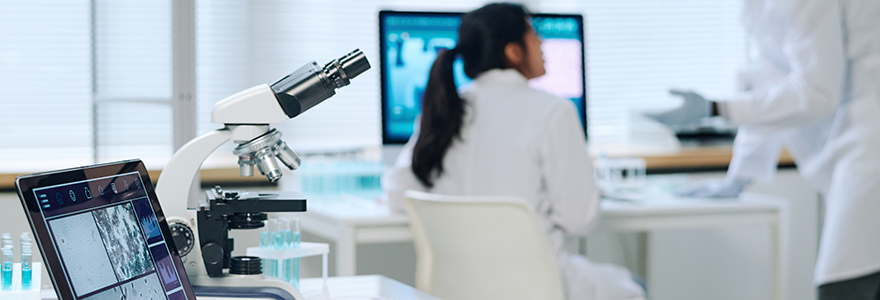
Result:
<point x="481" y="248"/>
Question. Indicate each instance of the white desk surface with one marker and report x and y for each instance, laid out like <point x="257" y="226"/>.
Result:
<point x="366" y="287"/>
<point x="357" y="212"/>
<point x="353" y="287"/>
<point x="350" y="221"/>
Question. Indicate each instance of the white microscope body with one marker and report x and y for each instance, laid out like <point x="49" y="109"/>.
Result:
<point x="246" y="116"/>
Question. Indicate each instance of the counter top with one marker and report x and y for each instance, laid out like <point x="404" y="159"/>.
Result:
<point x="220" y="175"/>
<point x="667" y="159"/>
<point x="657" y="159"/>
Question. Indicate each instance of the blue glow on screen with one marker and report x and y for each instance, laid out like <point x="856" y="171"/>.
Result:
<point x="410" y="43"/>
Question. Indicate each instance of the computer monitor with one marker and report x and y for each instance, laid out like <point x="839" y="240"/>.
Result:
<point x="102" y="233"/>
<point x="409" y="42"/>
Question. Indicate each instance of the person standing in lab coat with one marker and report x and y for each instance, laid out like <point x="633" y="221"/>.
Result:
<point x="819" y="95"/>
<point x="499" y="137"/>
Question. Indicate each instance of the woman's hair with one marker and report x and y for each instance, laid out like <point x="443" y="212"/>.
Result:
<point x="482" y="37"/>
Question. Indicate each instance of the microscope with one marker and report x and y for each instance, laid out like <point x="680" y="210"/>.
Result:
<point x="200" y="229"/>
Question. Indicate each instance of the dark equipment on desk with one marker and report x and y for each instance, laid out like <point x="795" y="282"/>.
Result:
<point x="227" y="210"/>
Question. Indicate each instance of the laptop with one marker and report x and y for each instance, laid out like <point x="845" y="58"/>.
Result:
<point x="102" y="233"/>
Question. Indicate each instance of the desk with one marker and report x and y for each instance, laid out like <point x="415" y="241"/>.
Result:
<point x="349" y="287"/>
<point x="670" y="213"/>
<point x="353" y="221"/>
<point x="687" y="157"/>
<point x="656" y="159"/>
<point x="365" y="286"/>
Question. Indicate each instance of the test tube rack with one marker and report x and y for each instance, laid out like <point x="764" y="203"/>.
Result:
<point x="16" y="293"/>
<point x="305" y="250"/>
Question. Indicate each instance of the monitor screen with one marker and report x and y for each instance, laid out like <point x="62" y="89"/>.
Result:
<point x="410" y="41"/>
<point x="103" y="235"/>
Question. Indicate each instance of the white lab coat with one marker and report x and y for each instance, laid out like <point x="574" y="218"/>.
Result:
<point x="521" y="142"/>
<point x="819" y="97"/>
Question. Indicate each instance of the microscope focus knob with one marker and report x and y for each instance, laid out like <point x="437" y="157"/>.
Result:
<point x="212" y="253"/>
<point x="183" y="237"/>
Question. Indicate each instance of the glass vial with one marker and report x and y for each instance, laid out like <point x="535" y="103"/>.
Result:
<point x="265" y="243"/>
<point x="294" y="244"/>
<point x="284" y="235"/>
<point x="8" y="261"/>
<point x="274" y="239"/>
<point x="26" y="256"/>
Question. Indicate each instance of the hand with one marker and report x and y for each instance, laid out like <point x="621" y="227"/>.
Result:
<point x="714" y="188"/>
<point x="692" y="110"/>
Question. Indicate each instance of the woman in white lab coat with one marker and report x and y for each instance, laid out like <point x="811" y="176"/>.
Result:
<point x="819" y="95"/>
<point x="500" y="137"/>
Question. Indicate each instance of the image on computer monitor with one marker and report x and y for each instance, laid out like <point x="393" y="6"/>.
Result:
<point x="409" y="44"/>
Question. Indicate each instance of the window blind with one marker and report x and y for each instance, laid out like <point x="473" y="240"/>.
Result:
<point x="638" y="49"/>
<point x="133" y="81"/>
<point x="84" y="82"/>
<point x="244" y="43"/>
<point x="45" y="85"/>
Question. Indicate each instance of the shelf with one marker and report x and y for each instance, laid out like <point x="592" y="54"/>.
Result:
<point x="305" y="249"/>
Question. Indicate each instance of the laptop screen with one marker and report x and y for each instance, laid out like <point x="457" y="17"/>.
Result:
<point x="107" y="238"/>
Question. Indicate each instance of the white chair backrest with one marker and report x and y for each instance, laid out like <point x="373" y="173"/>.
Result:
<point x="481" y="248"/>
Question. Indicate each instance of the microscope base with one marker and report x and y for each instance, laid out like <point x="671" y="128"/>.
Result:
<point x="243" y="286"/>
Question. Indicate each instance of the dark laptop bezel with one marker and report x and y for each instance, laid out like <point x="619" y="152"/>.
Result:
<point x="26" y="184"/>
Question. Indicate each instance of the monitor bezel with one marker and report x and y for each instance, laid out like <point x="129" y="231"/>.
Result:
<point x="26" y="184"/>
<point x="387" y="139"/>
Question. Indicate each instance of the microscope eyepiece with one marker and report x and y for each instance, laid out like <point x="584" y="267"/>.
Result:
<point x="354" y="63"/>
<point x="310" y="85"/>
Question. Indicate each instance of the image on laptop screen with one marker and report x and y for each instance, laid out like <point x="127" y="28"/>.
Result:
<point x="410" y="41"/>
<point x="107" y="238"/>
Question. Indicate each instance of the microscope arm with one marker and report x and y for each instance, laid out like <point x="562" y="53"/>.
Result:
<point x="175" y="183"/>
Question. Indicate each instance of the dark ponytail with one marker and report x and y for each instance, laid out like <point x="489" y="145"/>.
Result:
<point x="483" y="35"/>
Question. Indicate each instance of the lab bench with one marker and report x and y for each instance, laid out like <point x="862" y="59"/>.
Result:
<point x="665" y="160"/>
<point x="350" y="222"/>
<point x="353" y="287"/>
<point x="658" y="160"/>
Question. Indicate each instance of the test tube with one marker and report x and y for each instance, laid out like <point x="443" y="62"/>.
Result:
<point x="26" y="255"/>
<point x="264" y="235"/>
<point x="284" y="244"/>
<point x="295" y="244"/>
<point x="265" y="243"/>
<point x="8" y="261"/>
<point x="274" y="240"/>
<point x="26" y="260"/>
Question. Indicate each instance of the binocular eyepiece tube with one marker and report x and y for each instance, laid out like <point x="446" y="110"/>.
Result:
<point x="310" y="85"/>
<point x="296" y="93"/>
